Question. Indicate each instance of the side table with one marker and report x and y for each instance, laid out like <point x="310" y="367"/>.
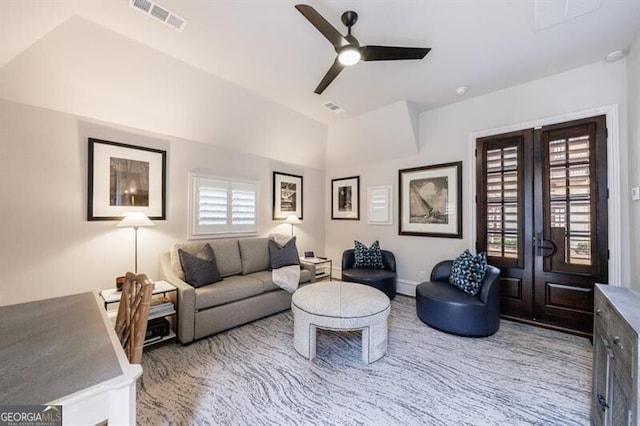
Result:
<point x="322" y="266"/>
<point x="161" y="310"/>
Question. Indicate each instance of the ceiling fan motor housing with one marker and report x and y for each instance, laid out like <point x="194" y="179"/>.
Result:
<point x="349" y="18"/>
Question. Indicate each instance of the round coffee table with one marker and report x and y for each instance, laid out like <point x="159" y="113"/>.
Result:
<point x="339" y="305"/>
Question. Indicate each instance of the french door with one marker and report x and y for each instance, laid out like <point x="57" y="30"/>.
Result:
<point x="542" y="219"/>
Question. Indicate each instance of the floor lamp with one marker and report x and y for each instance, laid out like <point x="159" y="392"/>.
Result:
<point x="292" y="219"/>
<point x="135" y="220"/>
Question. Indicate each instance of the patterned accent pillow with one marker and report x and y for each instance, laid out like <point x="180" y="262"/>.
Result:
<point x="201" y="269"/>
<point x="467" y="272"/>
<point x="285" y="255"/>
<point x="368" y="257"/>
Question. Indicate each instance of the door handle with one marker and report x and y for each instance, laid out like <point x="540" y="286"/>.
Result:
<point x="539" y="243"/>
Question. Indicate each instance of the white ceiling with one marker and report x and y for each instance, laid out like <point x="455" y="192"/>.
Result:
<point x="269" y="47"/>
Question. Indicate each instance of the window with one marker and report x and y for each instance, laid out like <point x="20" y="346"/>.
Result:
<point x="502" y="201"/>
<point x="222" y="206"/>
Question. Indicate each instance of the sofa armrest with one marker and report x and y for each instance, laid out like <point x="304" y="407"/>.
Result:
<point x="348" y="259"/>
<point x="389" y="260"/>
<point x="441" y="271"/>
<point x="490" y="290"/>
<point x="311" y="267"/>
<point x="186" y="301"/>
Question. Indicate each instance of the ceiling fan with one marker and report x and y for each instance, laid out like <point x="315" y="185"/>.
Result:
<point x="349" y="50"/>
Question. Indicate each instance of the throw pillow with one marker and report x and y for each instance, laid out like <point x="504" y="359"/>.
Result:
<point x="467" y="272"/>
<point x="285" y="255"/>
<point x="201" y="269"/>
<point x="368" y="257"/>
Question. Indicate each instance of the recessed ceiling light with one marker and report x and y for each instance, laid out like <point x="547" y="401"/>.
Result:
<point x="460" y="91"/>
<point x="616" y="55"/>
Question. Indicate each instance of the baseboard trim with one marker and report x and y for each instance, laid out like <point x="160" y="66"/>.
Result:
<point x="408" y="288"/>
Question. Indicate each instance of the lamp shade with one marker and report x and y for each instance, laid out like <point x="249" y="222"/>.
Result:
<point x="292" y="219"/>
<point x="135" y="220"/>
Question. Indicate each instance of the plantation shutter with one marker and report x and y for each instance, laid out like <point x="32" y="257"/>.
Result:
<point x="243" y="207"/>
<point x="221" y="206"/>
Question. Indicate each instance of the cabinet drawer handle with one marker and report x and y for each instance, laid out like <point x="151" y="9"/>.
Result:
<point x="618" y="342"/>
<point x="598" y="311"/>
<point x="603" y="402"/>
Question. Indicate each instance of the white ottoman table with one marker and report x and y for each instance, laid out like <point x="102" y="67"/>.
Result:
<point x="339" y="305"/>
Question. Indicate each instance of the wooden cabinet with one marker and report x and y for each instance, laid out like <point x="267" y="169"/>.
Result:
<point x="615" y="400"/>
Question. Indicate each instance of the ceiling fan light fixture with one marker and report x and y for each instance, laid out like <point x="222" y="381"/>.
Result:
<point x="349" y="56"/>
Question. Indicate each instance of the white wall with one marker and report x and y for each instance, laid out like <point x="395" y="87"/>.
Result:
<point x="90" y="71"/>
<point x="444" y="137"/>
<point x="633" y="87"/>
<point x="387" y="132"/>
<point x="48" y="248"/>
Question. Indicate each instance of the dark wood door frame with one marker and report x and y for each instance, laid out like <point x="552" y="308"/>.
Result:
<point x="560" y="294"/>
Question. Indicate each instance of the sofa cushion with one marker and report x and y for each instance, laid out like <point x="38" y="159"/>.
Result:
<point x="254" y="253"/>
<point x="368" y="257"/>
<point x="285" y="255"/>
<point x="467" y="272"/>
<point x="228" y="256"/>
<point x="236" y="287"/>
<point x="200" y="269"/>
<point x="265" y="278"/>
<point x="226" y="251"/>
<point x="267" y="281"/>
<point x="192" y="248"/>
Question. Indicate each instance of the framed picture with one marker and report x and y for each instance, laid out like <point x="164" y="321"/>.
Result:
<point x="287" y="195"/>
<point x="125" y="178"/>
<point x="431" y="200"/>
<point x="379" y="199"/>
<point x="345" y="198"/>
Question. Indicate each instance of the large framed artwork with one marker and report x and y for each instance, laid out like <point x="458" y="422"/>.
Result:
<point x="287" y="195"/>
<point x="345" y="198"/>
<point x="431" y="200"/>
<point x="125" y="178"/>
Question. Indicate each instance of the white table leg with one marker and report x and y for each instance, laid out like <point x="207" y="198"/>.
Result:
<point x="366" y="343"/>
<point x="377" y="334"/>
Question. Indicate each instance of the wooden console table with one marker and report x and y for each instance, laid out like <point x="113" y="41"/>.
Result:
<point x="64" y="351"/>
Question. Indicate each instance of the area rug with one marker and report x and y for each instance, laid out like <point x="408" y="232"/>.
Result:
<point x="251" y="375"/>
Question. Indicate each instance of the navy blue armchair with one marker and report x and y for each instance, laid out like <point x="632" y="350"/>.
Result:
<point x="445" y="307"/>
<point x="382" y="279"/>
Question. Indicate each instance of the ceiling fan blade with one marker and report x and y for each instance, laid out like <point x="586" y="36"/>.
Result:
<point x="329" y="76"/>
<point x="322" y="25"/>
<point x="390" y="53"/>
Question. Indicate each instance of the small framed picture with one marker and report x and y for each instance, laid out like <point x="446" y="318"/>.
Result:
<point x="309" y="254"/>
<point x="431" y="201"/>
<point x="287" y="195"/>
<point x="345" y="198"/>
<point x="379" y="198"/>
<point x="125" y="178"/>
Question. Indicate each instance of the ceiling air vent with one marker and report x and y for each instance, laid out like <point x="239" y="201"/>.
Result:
<point x="333" y="107"/>
<point x="161" y="13"/>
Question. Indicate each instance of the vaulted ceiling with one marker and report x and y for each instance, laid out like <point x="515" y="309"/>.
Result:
<point x="270" y="48"/>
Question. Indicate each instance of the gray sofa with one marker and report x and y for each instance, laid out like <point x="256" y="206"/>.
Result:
<point x="245" y="294"/>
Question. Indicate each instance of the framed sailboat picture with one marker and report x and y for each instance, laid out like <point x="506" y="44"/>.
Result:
<point x="431" y="200"/>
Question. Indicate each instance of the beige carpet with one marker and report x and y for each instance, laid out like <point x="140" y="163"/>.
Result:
<point x="251" y="375"/>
